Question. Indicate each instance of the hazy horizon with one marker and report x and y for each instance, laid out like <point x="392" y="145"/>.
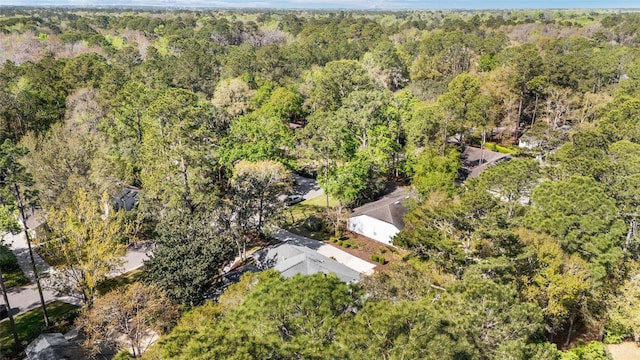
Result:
<point x="328" y="4"/>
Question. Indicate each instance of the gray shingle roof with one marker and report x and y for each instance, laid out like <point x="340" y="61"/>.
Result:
<point x="292" y="259"/>
<point x="54" y="346"/>
<point x="389" y="209"/>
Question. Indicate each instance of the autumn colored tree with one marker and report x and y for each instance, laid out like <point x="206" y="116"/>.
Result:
<point x="137" y="312"/>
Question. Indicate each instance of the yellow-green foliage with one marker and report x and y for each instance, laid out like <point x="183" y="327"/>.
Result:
<point x="162" y="45"/>
<point x="116" y="41"/>
<point x="500" y="148"/>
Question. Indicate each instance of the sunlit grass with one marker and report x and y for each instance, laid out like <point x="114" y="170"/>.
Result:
<point x="320" y="201"/>
<point x="31" y="324"/>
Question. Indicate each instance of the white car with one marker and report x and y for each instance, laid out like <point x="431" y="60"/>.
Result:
<point x="293" y="199"/>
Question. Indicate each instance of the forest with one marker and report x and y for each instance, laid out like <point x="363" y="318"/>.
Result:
<point x="209" y="113"/>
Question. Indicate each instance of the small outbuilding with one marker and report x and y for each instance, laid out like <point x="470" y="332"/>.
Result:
<point x="380" y="220"/>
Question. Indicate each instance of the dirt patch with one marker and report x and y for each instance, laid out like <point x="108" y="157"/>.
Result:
<point x="624" y="351"/>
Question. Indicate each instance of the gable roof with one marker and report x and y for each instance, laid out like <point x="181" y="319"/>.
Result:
<point x="472" y="156"/>
<point x="389" y="208"/>
<point x="293" y="259"/>
<point x="54" y="346"/>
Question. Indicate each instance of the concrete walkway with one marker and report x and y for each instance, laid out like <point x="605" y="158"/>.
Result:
<point x="18" y="244"/>
<point x="327" y="250"/>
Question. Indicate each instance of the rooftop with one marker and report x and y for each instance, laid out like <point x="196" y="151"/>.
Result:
<point x="293" y="259"/>
<point x="389" y="208"/>
<point x="54" y="346"/>
<point x="476" y="160"/>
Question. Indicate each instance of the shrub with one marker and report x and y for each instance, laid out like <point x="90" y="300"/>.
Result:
<point x="615" y="333"/>
<point x="594" y="350"/>
<point x="382" y="260"/>
<point x="313" y="223"/>
<point x="375" y="258"/>
<point x="8" y="260"/>
<point x="123" y="355"/>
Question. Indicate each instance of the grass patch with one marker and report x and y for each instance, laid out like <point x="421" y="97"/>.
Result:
<point x="31" y="324"/>
<point x="321" y="201"/>
<point x="296" y="215"/>
<point x="119" y="281"/>
<point x="11" y="272"/>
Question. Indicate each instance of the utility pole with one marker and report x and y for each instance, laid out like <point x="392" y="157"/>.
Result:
<point x="16" y="339"/>
<point x="33" y="262"/>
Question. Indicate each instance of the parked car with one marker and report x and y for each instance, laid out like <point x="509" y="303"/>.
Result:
<point x="3" y="311"/>
<point x="293" y="199"/>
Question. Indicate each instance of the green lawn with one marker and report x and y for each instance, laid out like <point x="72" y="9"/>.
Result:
<point x="296" y="215"/>
<point x="31" y="324"/>
<point x="119" y="281"/>
<point x="320" y="201"/>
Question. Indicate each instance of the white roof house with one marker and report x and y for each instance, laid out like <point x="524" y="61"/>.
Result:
<point x="380" y="220"/>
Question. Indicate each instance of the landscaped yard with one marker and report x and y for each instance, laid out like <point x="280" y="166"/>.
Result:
<point x="11" y="272"/>
<point x="370" y="250"/>
<point x="31" y="324"/>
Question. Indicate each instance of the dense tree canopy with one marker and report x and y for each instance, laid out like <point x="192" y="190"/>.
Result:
<point x="208" y="113"/>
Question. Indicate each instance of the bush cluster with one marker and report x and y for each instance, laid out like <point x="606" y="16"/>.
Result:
<point x="379" y="259"/>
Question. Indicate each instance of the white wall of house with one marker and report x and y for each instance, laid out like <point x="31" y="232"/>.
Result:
<point x="372" y="228"/>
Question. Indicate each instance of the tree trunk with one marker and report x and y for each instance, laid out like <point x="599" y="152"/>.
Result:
<point x="16" y="339"/>
<point x="630" y="234"/>
<point x="185" y="181"/>
<point x="484" y="140"/>
<point x="535" y="111"/>
<point x="520" y="108"/>
<point x="33" y="262"/>
<point x="326" y="171"/>
<point x="571" y="320"/>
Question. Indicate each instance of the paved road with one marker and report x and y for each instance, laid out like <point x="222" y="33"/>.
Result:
<point x="25" y="298"/>
<point x="307" y="187"/>
<point x="327" y="250"/>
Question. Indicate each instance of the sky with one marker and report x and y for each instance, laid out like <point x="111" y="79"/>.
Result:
<point x="337" y="4"/>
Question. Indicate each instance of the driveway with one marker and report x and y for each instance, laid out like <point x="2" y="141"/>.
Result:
<point x="327" y="250"/>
